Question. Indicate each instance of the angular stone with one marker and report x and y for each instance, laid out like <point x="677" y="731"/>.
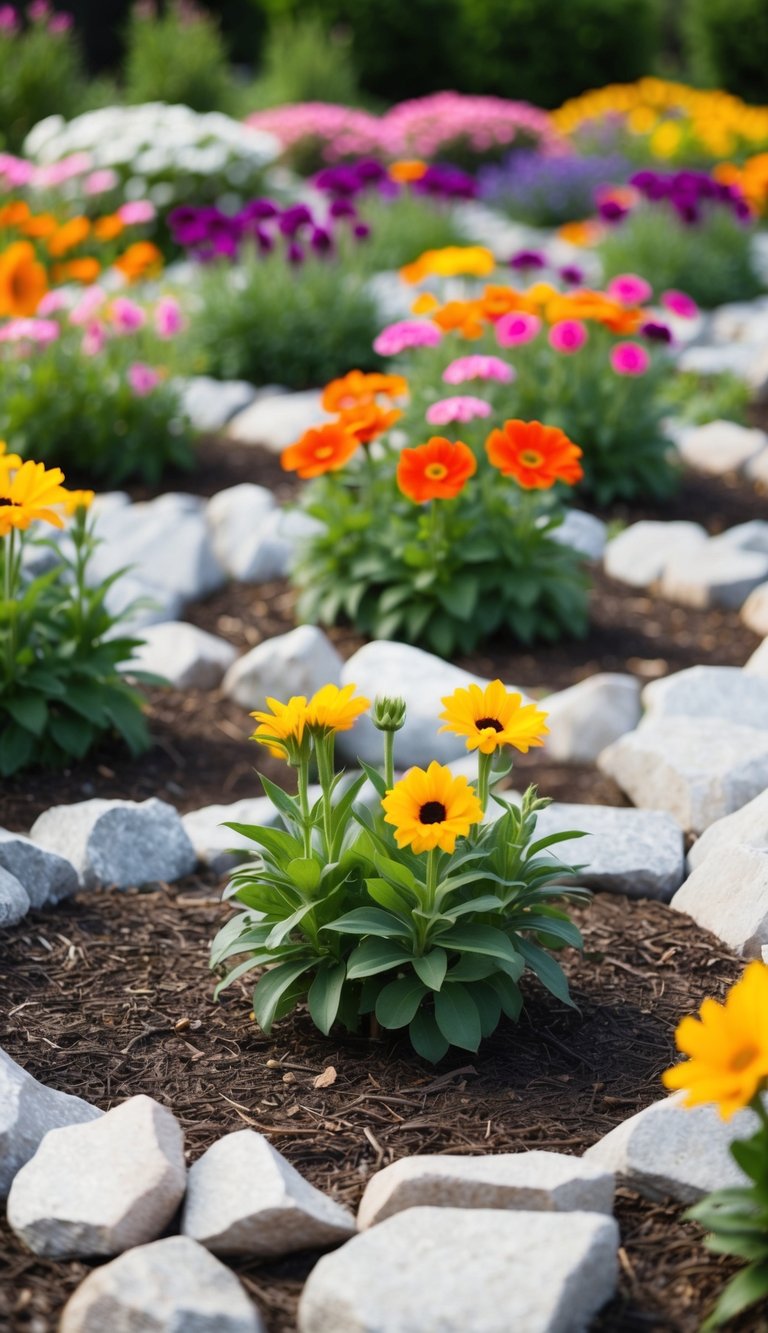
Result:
<point x="714" y="576"/>
<point x="535" y="1181"/>
<point x="165" y="542"/>
<point x="751" y="536"/>
<point x="696" y="769"/>
<point x="14" y="900"/>
<point x="639" y="554"/>
<point x="639" y="853"/>
<point x="456" y="1269"/>
<point x="235" y="517"/>
<point x="169" y="1286"/>
<point x="277" y="420"/>
<point x="189" y="658"/>
<point x="747" y="826"/>
<point x="269" y="551"/>
<point x="139" y="603"/>
<point x="220" y="847"/>
<point x="102" y="1187"/>
<point x="245" y="1198"/>
<point x="46" y="877"/>
<point x="671" y="1151"/>
<point x="583" y="532"/>
<point x="754" y="612"/>
<point x="727" y="893"/>
<point x="210" y="403"/>
<point x="27" y="1111"/>
<point x="588" y="716"/>
<point x="120" y="843"/>
<point x="720" y="447"/>
<point x="757" y="467"/>
<point x="727" y="693"/>
<point x="757" y="664"/>
<point x="299" y="662"/>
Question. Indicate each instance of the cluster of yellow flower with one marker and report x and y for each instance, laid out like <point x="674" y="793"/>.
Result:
<point x="30" y="491"/>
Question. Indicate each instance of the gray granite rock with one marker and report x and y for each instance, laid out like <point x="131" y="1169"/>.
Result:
<point x="168" y="1286"/>
<point x="187" y="657"/>
<point x="720" y="447"/>
<point x="727" y="693"/>
<point x="120" y="843"/>
<point x="235" y="517"/>
<point x="740" y="359"/>
<point x="14" y="900"/>
<point x="583" y="532"/>
<point x="714" y="575"/>
<point x="750" y="536"/>
<point x="747" y="826"/>
<point x="27" y="1111"/>
<point x="588" y="716"/>
<point x="727" y="893"/>
<point x="299" y="662"/>
<point x="210" y="403"/>
<point x="456" y="1269"/>
<point x="220" y="847"/>
<point x="639" y="853"/>
<point x="639" y="554"/>
<point x="277" y="420"/>
<point x="535" y="1181"/>
<point x="140" y="603"/>
<point x="102" y="1187"/>
<point x="243" y="1197"/>
<point x="165" y="542"/>
<point x="46" y="877"/>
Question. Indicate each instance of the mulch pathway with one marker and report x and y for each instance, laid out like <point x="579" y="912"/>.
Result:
<point x="110" y="995"/>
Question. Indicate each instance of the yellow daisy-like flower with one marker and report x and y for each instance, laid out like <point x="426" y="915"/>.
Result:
<point x="493" y="717"/>
<point x="727" y="1045"/>
<point x="29" y="495"/>
<point x="431" y="809"/>
<point x="8" y="462"/>
<point x="282" y="729"/>
<point x="74" y="500"/>
<point x="334" y="709"/>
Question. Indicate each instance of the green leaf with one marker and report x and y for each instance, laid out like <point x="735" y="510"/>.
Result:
<point x="398" y="873"/>
<point x="16" y="747"/>
<point x="29" y="710"/>
<point x="431" y="968"/>
<point x="745" y="1289"/>
<point x="480" y="939"/>
<point x="426" y="1038"/>
<point x="278" y="843"/>
<point x="549" y="972"/>
<point x="271" y="988"/>
<point x="284" y="928"/>
<point x="457" y="1017"/>
<point x="509" y="994"/>
<point x="397" y="1003"/>
<point x="369" y="921"/>
<point x="373" y="956"/>
<point x="387" y="896"/>
<point x="324" y="996"/>
<point x="305" y="873"/>
<point x="287" y="805"/>
<point x="488" y="1004"/>
<point x="73" y="734"/>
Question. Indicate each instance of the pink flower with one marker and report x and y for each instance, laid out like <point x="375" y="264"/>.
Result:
<point x="629" y="289"/>
<point x="168" y="320"/>
<point x="40" y="331"/>
<point x="9" y="19"/>
<point x="568" y="336"/>
<point x="478" y="368"/>
<point x="60" y="22"/>
<point x="39" y="11"/>
<point x="462" y="408"/>
<point x="629" y="359"/>
<point x="51" y="302"/>
<point x="99" y="181"/>
<point x="136" y="211"/>
<point x="516" y="328"/>
<point x="89" y="303"/>
<point x="142" y="379"/>
<point x="94" y="339"/>
<point x="406" y="333"/>
<point x="126" y="315"/>
<point x="679" y="303"/>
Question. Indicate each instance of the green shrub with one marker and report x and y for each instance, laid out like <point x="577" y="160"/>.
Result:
<point x="304" y="61"/>
<point x="41" y="75"/>
<point x="403" y="228"/>
<point x="726" y="43"/>
<point x="698" y="399"/>
<point x="178" y="57"/>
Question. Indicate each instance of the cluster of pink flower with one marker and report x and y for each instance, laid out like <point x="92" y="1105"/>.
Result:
<point x="38" y="12"/>
<point x="345" y="131"/>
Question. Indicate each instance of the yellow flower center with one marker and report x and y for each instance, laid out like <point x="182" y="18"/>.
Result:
<point x="530" y="458"/>
<point x="323" y="452"/>
<point x="743" y="1058"/>
<point x="436" y="471"/>
<point x="488" y="724"/>
<point x="433" y="812"/>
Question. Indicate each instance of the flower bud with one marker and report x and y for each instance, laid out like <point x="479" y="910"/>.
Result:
<point x="388" y="714"/>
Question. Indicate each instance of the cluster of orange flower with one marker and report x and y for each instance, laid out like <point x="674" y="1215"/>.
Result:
<point x="471" y="317"/>
<point x="48" y="252"/>
<point x="751" y="178"/>
<point x="361" y="417"/>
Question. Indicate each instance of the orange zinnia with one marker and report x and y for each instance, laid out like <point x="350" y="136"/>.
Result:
<point x="108" y="227"/>
<point x="368" y="420"/>
<point x="69" y="235"/>
<point x="140" y="259"/>
<point x="14" y="213"/>
<point x="39" y="225"/>
<point x="437" y="470"/>
<point x="357" y="389"/>
<point x="407" y="170"/>
<point x="535" y="455"/>
<point x="464" y="317"/>
<point x="324" y="449"/>
<point x="23" y="281"/>
<point x="84" y="270"/>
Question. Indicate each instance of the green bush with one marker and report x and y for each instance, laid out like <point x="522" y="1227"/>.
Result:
<point x="178" y="57"/>
<point x="304" y="61"/>
<point x="726" y="44"/>
<point x="41" y="75"/>
<point x="403" y="228"/>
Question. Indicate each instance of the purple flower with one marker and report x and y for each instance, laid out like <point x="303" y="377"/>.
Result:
<point x="525" y="259"/>
<point x="550" y="189"/>
<point x="656" y="332"/>
<point x="361" y="231"/>
<point x="294" y="218"/>
<point x="342" y="208"/>
<point x="612" y="211"/>
<point x="571" y="274"/>
<point x="257" y="210"/>
<point x="321" y="241"/>
<point x="294" y="254"/>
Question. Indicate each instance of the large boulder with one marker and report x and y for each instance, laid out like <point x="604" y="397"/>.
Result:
<point x="120" y="843"/>
<point x="640" y="853"/>
<point x="27" y="1111"/>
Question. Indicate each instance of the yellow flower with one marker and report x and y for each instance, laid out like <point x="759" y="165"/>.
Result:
<point x="8" y="461"/>
<point x="450" y="262"/>
<point x="727" y="1045"/>
<point x="282" y="729"/>
<point x="334" y="709"/>
<point x="493" y="717"/>
<point x="74" y="500"/>
<point x="431" y="809"/>
<point x="29" y="495"/>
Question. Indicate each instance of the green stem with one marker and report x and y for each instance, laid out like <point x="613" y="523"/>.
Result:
<point x="306" y="828"/>
<point x="431" y="877"/>
<point x="389" y="759"/>
<point x="9" y="595"/>
<point x="324" y="746"/>
<point x="484" y="766"/>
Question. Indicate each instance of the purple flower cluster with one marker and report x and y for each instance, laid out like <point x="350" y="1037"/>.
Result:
<point x="550" y="189"/>
<point x="349" y="180"/>
<point x="690" y="193"/>
<point x="210" y="234"/>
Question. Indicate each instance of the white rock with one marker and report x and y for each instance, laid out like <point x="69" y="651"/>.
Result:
<point x="727" y="893"/>
<point x="27" y="1111"/>
<point x="701" y="692"/>
<point x="166" y="544"/>
<point x="583" y="532"/>
<point x="278" y="420"/>
<point x="670" y="1151"/>
<point x="219" y="847"/>
<point x="720" y="447"/>
<point x="299" y="662"/>
<point x="741" y="321"/>
<point x="696" y="769"/>
<point x="639" y="554"/>
<point x="100" y="1188"/>
<point x="747" y="826"/>
<point x="46" y="877"/>
<point x="189" y="658"/>
<point x="754" y="612"/>
<point x="639" y="853"/>
<point x="751" y="536"/>
<point x="139" y="603"/>
<point x="714" y="575"/>
<point x="740" y="359"/>
<point x="235" y="518"/>
<point x="527" y="1181"/>
<point x="169" y="1286"/>
<point x="122" y="843"/>
<point x="757" y="664"/>
<point x="588" y="716"/>
<point x="210" y="403"/>
<point x="268" y="551"/>
<point x="14" y="900"/>
<point x="757" y="468"/>
<point x="243" y="1197"/>
<point x="451" y="1270"/>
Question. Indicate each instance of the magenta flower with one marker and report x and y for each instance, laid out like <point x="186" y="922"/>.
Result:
<point x="9" y="19"/>
<point x="516" y="328"/>
<point x="61" y="22"/>
<point x="567" y="336"/>
<point x="406" y="333"/>
<point x="461" y="408"/>
<point x="136" y="211"/>
<point x="39" y="11"/>
<point x="679" y="303"/>
<point x="40" y="331"/>
<point x="478" y="368"/>
<point x="94" y="339"/>
<point x="126" y="315"/>
<point x="629" y="289"/>
<point x="142" y="378"/>
<point x="629" y="359"/>
<point x="168" y="318"/>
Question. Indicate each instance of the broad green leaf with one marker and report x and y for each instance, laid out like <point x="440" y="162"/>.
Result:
<point x="549" y="972"/>
<point x="277" y="842"/>
<point x="387" y="896"/>
<point x="324" y="996"/>
<point x="374" y="956"/>
<point x="745" y="1289"/>
<point x="305" y="873"/>
<point x="283" y="928"/>
<point x="457" y="1017"/>
<point x="369" y="921"/>
<point x="479" y="939"/>
<point x="28" y="709"/>
<point x="287" y="805"/>
<point x="16" y="747"/>
<point x="488" y="1004"/>
<point x="273" y="986"/>
<point x="73" y="734"/>
<point x="432" y="968"/>
<point x="426" y="1038"/>
<point x="509" y="994"/>
<point x="397" y="1003"/>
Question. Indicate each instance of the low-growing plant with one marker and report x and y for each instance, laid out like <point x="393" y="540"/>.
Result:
<point x="408" y="909"/>
<point x="178" y="56"/>
<point x="62" y="663"/>
<point x="547" y="190"/>
<point x="305" y="60"/>
<point x="42" y="69"/>
<point x="698" y="399"/>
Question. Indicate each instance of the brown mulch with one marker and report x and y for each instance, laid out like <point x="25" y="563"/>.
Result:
<point x="110" y="995"/>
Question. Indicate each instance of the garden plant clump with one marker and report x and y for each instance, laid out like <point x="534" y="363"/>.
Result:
<point x="414" y="911"/>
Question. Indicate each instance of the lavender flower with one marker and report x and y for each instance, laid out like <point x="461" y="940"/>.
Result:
<point x="550" y="189"/>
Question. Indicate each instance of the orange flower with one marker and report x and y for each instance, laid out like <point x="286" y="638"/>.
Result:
<point x="356" y="389"/>
<point x="588" y="232"/>
<point x="140" y="260"/>
<point x="40" y="225"/>
<point x="14" y="213"/>
<point x="450" y="262"/>
<point x="424" y="304"/>
<point x="77" y="270"/>
<point x="23" y="281"/>
<point x="324" y="449"/>
<point x="499" y="301"/>
<point x="367" y="421"/>
<point x="69" y="235"/>
<point x="411" y="169"/>
<point x="535" y="455"/>
<point x="464" y="317"/>
<point x="107" y="228"/>
<point x="437" y="470"/>
<point x="595" y="306"/>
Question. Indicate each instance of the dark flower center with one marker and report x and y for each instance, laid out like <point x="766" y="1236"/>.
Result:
<point x="433" y="812"/>
<point x="4" y="501"/>
<point x="483" y="723"/>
